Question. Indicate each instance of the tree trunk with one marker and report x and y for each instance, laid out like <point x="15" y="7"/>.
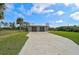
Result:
<point x="20" y="27"/>
<point x="0" y="26"/>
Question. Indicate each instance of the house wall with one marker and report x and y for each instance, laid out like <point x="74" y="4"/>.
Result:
<point x="29" y="28"/>
<point x="38" y="28"/>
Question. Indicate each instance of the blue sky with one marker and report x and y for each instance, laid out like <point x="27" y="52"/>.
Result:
<point x="56" y="14"/>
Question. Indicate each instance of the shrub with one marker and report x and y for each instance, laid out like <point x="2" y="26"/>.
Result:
<point x="67" y="28"/>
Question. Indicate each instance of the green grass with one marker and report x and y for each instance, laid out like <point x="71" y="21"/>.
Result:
<point x="6" y="32"/>
<point x="74" y="36"/>
<point x="12" y="42"/>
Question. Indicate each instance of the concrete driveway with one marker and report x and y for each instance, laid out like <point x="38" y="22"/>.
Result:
<point x="43" y="43"/>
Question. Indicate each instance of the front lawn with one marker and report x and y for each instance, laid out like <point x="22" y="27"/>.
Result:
<point x="12" y="42"/>
<point x="5" y="32"/>
<point x="74" y="36"/>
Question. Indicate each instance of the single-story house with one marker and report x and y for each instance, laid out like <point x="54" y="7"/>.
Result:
<point x="38" y="28"/>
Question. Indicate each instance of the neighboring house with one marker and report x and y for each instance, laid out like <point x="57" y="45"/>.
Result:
<point x="38" y="28"/>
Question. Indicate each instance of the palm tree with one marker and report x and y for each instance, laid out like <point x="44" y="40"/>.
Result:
<point x="20" y="22"/>
<point x="1" y="23"/>
<point x="12" y="25"/>
<point x="25" y="25"/>
<point x="6" y="24"/>
<point x="2" y="8"/>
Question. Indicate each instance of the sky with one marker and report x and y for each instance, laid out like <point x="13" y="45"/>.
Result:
<point x="56" y="14"/>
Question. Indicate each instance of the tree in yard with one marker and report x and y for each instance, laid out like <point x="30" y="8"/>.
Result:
<point x="20" y="22"/>
<point x="1" y="23"/>
<point x="25" y="25"/>
<point x="5" y="24"/>
<point x="2" y="8"/>
<point x="12" y="25"/>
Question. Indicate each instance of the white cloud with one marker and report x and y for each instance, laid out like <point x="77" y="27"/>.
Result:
<point x="76" y="4"/>
<point x="10" y="10"/>
<point x="22" y="10"/>
<point x="60" y="12"/>
<point x="75" y="15"/>
<point x="59" y="21"/>
<point x="9" y="6"/>
<point x="67" y="4"/>
<point x="48" y="11"/>
<point x="41" y="8"/>
<point x="16" y="14"/>
<point x="20" y="15"/>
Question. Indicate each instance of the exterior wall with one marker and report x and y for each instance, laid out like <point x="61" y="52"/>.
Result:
<point x="29" y="28"/>
<point x="46" y="28"/>
<point x="38" y="28"/>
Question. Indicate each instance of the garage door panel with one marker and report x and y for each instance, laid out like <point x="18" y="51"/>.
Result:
<point x="34" y="29"/>
<point x="42" y="29"/>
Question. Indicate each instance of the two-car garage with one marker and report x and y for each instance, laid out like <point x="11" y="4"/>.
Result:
<point x="37" y="28"/>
